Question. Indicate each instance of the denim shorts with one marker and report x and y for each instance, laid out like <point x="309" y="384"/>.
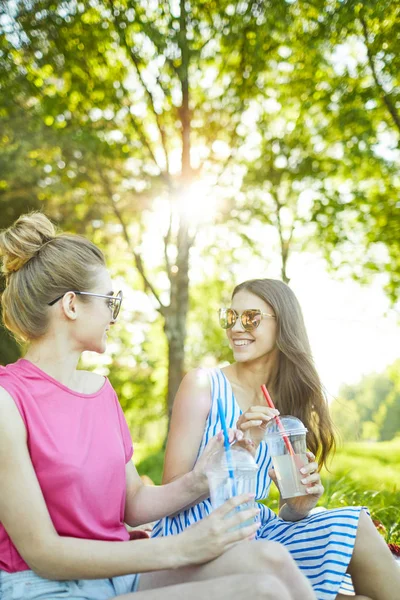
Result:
<point x="26" y="585"/>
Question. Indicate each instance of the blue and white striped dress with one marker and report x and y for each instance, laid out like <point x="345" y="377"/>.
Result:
<point x="322" y="544"/>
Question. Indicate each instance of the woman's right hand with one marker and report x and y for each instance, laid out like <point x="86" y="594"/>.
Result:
<point x="212" y="536"/>
<point x="254" y="422"/>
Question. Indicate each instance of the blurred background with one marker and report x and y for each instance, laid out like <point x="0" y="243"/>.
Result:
<point x="200" y="143"/>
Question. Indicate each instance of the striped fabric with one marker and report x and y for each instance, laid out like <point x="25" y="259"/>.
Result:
<point x="321" y="544"/>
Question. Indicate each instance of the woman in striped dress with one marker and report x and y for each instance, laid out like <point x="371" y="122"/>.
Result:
<point x="267" y="335"/>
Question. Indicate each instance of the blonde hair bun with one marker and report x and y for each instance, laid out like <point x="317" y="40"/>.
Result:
<point x="23" y="240"/>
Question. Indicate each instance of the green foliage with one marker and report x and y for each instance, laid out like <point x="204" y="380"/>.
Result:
<point x="207" y="343"/>
<point x="152" y="466"/>
<point x="304" y="96"/>
<point x="9" y="349"/>
<point x="369" y="410"/>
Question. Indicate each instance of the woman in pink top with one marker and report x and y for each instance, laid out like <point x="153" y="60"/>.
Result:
<point x="68" y="483"/>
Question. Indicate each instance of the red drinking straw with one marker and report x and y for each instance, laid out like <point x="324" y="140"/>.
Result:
<point x="278" y="421"/>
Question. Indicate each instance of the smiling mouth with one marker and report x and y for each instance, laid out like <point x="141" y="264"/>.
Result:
<point x="240" y="343"/>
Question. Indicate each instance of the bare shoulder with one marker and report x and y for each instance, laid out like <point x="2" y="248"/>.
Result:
<point x="196" y="380"/>
<point x="11" y="423"/>
<point x="195" y="390"/>
<point x="7" y="404"/>
<point x="90" y="382"/>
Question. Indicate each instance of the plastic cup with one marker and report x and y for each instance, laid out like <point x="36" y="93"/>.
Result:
<point x="287" y="466"/>
<point x="219" y="475"/>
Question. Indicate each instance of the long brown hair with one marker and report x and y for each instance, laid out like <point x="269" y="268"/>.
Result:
<point x="40" y="265"/>
<point x="296" y="389"/>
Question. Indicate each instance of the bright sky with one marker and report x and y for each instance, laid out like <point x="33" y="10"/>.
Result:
<point x="352" y="330"/>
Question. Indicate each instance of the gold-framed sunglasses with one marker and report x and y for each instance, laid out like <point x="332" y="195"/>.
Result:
<point x="114" y="301"/>
<point x="250" y="318"/>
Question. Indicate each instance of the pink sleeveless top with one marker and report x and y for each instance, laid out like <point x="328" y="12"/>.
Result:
<point x="79" y="445"/>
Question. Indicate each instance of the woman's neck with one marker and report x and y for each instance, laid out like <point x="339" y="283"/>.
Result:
<point x="251" y="375"/>
<point x="54" y="358"/>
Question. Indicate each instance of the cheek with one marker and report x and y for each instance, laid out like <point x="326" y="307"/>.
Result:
<point x="267" y="337"/>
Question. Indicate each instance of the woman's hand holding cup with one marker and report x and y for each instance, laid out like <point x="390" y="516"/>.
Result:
<point x="218" y="532"/>
<point x="199" y="470"/>
<point x="254" y="421"/>
<point x="299" y="506"/>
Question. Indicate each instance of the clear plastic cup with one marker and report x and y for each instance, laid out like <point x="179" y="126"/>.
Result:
<point x="287" y="466"/>
<point x="223" y="487"/>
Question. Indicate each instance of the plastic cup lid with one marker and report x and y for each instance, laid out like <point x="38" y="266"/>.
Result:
<point x="241" y="459"/>
<point x="291" y="425"/>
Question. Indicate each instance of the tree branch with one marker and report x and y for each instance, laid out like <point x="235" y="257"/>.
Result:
<point x="167" y="239"/>
<point x="138" y="259"/>
<point x="385" y="97"/>
<point x="283" y="243"/>
<point x="136" y="62"/>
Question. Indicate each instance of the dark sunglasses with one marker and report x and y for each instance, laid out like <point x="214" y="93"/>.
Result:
<point x="114" y="303"/>
<point x="250" y="318"/>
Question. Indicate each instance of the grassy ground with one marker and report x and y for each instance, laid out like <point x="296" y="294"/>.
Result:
<point x="365" y="474"/>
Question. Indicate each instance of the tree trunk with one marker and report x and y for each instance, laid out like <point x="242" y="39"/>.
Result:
<point x="176" y="313"/>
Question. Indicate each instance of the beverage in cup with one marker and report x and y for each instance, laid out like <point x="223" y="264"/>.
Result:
<point x="232" y="476"/>
<point x="286" y="439"/>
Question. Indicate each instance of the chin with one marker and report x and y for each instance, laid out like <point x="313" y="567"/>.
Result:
<point x="98" y="348"/>
<point x="239" y="357"/>
<point x="101" y="349"/>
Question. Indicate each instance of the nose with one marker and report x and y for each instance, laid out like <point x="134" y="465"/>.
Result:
<point x="238" y="326"/>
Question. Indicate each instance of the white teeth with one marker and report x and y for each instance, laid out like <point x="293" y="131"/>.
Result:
<point x="242" y="342"/>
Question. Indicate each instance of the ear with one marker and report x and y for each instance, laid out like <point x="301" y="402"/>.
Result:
<point x="70" y="306"/>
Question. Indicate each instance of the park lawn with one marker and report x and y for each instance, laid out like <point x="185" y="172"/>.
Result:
<point x="366" y="474"/>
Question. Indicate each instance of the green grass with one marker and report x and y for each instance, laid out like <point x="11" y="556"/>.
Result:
<point x="366" y="474"/>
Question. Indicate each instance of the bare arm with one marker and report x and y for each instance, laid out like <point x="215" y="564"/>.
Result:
<point x="191" y="407"/>
<point x="24" y="515"/>
<point x="147" y="503"/>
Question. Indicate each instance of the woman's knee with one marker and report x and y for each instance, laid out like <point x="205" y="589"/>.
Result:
<point x="263" y="557"/>
<point x="274" y="554"/>
<point x="367" y="532"/>
<point x="266" y="587"/>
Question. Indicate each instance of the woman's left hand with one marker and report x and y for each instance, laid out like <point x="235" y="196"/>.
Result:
<point x="301" y="505"/>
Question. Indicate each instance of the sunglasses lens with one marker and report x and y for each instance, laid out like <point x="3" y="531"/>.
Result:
<point x="251" y="319"/>
<point x="117" y="305"/>
<point x="226" y="318"/>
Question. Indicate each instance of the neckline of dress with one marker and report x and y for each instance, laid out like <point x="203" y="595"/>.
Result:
<point x="231" y="389"/>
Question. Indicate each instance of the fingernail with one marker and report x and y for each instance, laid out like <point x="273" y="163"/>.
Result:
<point x="251" y="495"/>
<point x="303" y="470"/>
<point x="304" y="480"/>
